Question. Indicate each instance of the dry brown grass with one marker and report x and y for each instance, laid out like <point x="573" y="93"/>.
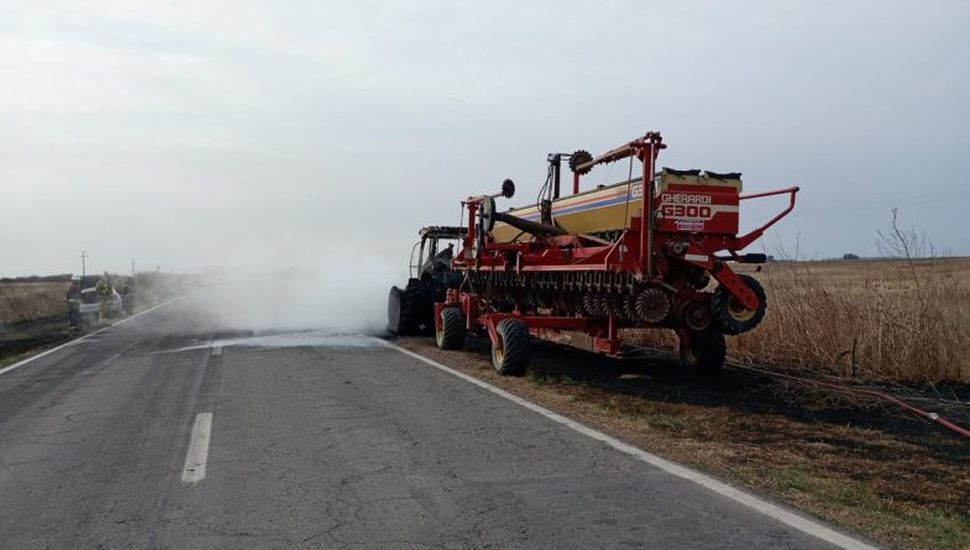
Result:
<point x="23" y="302"/>
<point x="893" y="319"/>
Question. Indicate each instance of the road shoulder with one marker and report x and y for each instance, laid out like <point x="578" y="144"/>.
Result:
<point x="903" y="489"/>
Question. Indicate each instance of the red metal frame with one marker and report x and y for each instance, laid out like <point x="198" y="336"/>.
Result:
<point x="640" y="251"/>
<point x="744" y="241"/>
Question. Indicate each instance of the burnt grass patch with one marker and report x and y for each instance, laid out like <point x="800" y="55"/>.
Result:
<point x="18" y="340"/>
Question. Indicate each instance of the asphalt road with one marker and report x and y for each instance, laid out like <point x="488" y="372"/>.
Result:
<point x="163" y="432"/>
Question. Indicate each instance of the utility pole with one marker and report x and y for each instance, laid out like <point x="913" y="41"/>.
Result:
<point x="132" y="267"/>
<point x="84" y="255"/>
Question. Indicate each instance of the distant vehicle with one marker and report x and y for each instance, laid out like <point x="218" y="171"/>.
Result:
<point x="85" y="287"/>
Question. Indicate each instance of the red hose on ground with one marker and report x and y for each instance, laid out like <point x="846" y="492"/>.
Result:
<point x="872" y="393"/>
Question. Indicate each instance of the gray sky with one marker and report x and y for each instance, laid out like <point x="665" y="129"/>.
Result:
<point x="264" y="134"/>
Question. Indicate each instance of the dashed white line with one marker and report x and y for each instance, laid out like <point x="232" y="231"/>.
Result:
<point x="198" y="453"/>
<point x="791" y="519"/>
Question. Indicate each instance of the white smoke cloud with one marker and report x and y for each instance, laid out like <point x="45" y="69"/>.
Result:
<point x="341" y="290"/>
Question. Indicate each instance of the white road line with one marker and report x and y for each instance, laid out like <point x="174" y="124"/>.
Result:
<point x="216" y="350"/>
<point x="791" y="519"/>
<point x="83" y="338"/>
<point x="198" y="453"/>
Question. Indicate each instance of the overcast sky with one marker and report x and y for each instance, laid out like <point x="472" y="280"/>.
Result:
<point x="264" y="134"/>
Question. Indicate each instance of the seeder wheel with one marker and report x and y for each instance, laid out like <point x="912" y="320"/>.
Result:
<point x="703" y="350"/>
<point x="510" y="356"/>
<point x="451" y="335"/>
<point x="731" y="315"/>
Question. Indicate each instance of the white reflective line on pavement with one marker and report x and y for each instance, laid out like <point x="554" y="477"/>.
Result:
<point x="198" y="453"/>
<point x="791" y="519"/>
<point x="216" y="350"/>
<point x="83" y="338"/>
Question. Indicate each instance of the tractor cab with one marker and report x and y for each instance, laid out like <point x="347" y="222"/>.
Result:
<point x="410" y="310"/>
<point x="431" y="256"/>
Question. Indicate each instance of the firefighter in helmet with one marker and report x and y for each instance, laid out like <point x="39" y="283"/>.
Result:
<point x="105" y="293"/>
<point x="74" y="305"/>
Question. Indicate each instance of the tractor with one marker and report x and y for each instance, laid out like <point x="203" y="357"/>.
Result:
<point x="410" y="310"/>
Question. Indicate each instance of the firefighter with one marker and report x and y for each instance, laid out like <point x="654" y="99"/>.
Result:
<point x="105" y="292"/>
<point x="74" y="306"/>
<point x="128" y="295"/>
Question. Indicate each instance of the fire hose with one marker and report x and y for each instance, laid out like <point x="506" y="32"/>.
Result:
<point x="916" y="411"/>
<point x="960" y="430"/>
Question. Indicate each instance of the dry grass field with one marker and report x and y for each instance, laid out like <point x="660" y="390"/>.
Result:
<point x="25" y="302"/>
<point x="892" y="319"/>
<point x="33" y="316"/>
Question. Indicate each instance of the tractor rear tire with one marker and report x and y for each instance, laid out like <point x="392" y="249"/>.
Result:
<point x="420" y="296"/>
<point x="705" y="353"/>
<point x="400" y="314"/>
<point x="511" y="356"/>
<point x="408" y="309"/>
<point x="730" y="315"/>
<point x="452" y="332"/>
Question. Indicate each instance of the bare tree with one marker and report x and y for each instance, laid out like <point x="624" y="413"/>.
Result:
<point x="904" y="243"/>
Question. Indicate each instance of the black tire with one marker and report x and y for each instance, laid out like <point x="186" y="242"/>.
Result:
<point x="452" y="332"/>
<point x="403" y="309"/>
<point x="397" y="320"/>
<point x="418" y="295"/>
<point x="511" y="358"/>
<point x="730" y="315"/>
<point x="706" y="351"/>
